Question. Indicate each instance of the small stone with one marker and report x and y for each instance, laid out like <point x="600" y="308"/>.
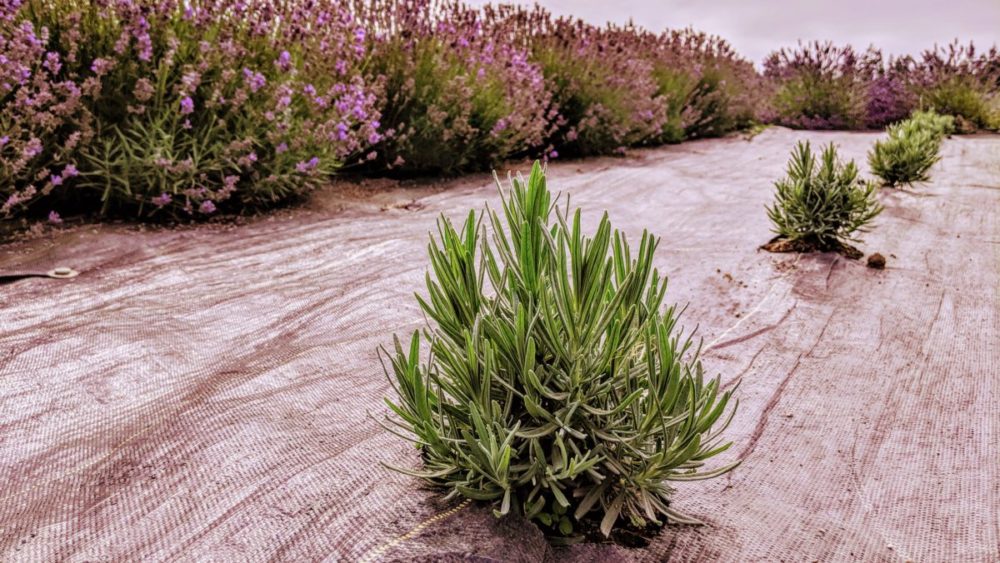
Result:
<point x="876" y="261"/>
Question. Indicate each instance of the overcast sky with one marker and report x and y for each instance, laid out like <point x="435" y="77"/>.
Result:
<point x="756" y="27"/>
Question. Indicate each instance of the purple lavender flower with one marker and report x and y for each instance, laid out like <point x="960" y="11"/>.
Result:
<point x="305" y="167"/>
<point x="254" y="80"/>
<point x="33" y="148"/>
<point x="162" y="200"/>
<point x="284" y="61"/>
<point x="187" y="105"/>
<point x="52" y="62"/>
<point x="54" y="218"/>
<point x="101" y="66"/>
<point x="206" y="207"/>
<point x="69" y="171"/>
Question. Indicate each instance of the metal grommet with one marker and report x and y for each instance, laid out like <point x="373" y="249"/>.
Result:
<point x="62" y="273"/>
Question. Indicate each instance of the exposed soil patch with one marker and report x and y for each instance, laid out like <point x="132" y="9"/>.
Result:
<point x="783" y="245"/>
<point x="624" y="534"/>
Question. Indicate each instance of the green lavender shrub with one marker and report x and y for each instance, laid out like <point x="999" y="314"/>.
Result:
<point x="939" y="125"/>
<point x="911" y="150"/>
<point x="728" y="93"/>
<point x="964" y="98"/>
<point x="607" y="97"/>
<point x="707" y="89"/>
<point x="820" y="204"/>
<point x="819" y="86"/>
<point x="959" y="80"/>
<point x="993" y="116"/>
<point x="552" y="383"/>
<point x="674" y="87"/>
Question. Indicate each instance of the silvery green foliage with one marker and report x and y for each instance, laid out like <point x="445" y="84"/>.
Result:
<point x="554" y="383"/>
<point x="912" y="148"/>
<point x="822" y="203"/>
<point x="940" y="125"/>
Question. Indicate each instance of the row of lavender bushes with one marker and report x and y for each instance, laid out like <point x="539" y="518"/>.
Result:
<point x="824" y="86"/>
<point x="186" y="108"/>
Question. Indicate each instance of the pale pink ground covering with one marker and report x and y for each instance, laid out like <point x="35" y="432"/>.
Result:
<point x="203" y="394"/>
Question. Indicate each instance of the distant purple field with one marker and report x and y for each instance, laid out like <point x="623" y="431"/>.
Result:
<point x="189" y="108"/>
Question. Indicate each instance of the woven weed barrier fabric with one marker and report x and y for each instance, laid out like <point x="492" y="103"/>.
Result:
<point x="206" y="394"/>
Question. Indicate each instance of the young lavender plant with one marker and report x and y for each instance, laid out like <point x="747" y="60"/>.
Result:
<point x="821" y="204"/>
<point x="912" y="148"/>
<point x="940" y="125"/>
<point x="554" y="384"/>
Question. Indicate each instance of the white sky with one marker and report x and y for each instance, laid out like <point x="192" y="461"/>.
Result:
<point x="756" y="27"/>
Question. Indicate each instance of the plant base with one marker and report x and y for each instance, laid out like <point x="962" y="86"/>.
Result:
<point x="782" y="244"/>
<point x="624" y="534"/>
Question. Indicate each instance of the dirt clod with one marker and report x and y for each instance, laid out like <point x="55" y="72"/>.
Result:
<point x="876" y="261"/>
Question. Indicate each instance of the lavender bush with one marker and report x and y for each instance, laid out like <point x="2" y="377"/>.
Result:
<point x="957" y="80"/>
<point x="820" y="85"/>
<point x="890" y="96"/>
<point x="454" y="98"/>
<point x="912" y="148"/>
<point x="707" y="88"/>
<point x="605" y="93"/>
<point x="179" y="107"/>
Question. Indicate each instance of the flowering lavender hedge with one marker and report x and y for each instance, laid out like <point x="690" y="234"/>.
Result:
<point x="189" y="108"/>
<point x="709" y="89"/>
<point x="823" y="86"/>
<point x="454" y="96"/>
<point x="957" y="80"/>
<point x="177" y="107"/>
<point x="819" y="86"/>
<point x="605" y="94"/>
